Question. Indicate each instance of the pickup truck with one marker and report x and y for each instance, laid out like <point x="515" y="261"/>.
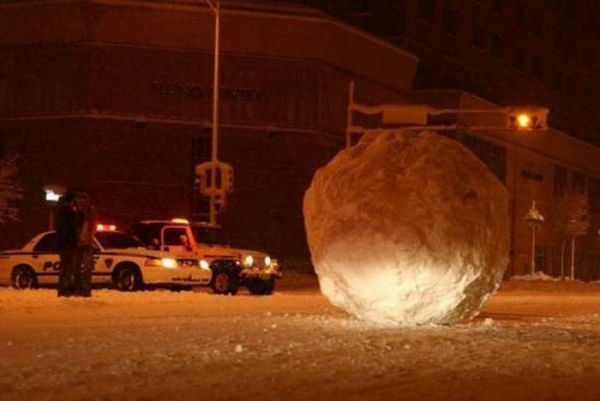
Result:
<point x="119" y="260"/>
<point x="252" y="269"/>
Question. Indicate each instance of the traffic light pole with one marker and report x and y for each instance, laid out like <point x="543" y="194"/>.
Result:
<point x="216" y="8"/>
<point x="416" y="116"/>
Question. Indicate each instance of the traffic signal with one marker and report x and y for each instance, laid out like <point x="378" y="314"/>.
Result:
<point x="227" y="177"/>
<point x="528" y="118"/>
<point x="223" y="180"/>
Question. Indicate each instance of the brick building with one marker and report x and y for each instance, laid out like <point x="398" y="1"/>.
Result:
<point x="114" y="96"/>
<point x="508" y="51"/>
<point x="535" y="166"/>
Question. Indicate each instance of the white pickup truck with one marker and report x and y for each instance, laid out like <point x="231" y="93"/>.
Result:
<point x="119" y="260"/>
<point x="238" y="268"/>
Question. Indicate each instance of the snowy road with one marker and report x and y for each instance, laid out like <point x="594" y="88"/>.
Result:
<point x="533" y="342"/>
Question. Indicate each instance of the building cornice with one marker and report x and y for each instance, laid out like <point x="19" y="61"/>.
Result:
<point x="231" y="8"/>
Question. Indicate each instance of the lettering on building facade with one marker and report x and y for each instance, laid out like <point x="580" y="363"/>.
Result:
<point x="186" y="89"/>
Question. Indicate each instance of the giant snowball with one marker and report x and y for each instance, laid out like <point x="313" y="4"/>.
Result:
<point x="407" y="228"/>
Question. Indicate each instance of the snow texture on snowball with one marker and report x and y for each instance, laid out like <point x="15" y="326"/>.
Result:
<point x="407" y="228"/>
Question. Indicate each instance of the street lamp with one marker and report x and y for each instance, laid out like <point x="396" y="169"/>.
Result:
<point x="52" y="194"/>
<point x="534" y="220"/>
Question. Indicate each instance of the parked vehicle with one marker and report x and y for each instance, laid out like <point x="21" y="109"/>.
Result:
<point x="119" y="260"/>
<point x="259" y="270"/>
<point x="252" y="269"/>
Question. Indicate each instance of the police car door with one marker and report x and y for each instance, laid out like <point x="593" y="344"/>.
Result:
<point x="45" y="259"/>
<point x="103" y="264"/>
<point x="175" y="239"/>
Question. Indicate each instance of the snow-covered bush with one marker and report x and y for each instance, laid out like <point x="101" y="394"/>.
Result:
<point x="10" y="190"/>
<point x="571" y="220"/>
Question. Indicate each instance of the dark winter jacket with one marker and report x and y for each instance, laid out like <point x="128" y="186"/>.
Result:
<point x="65" y="223"/>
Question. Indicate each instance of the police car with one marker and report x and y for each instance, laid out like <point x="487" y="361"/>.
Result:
<point x="119" y="260"/>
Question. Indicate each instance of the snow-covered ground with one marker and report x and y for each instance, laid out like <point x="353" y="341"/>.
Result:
<point x="534" y="341"/>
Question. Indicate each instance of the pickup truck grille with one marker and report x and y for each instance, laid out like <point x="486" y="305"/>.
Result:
<point x="187" y="262"/>
<point x="225" y="263"/>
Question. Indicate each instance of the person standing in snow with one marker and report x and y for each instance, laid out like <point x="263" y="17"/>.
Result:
<point x="65" y="225"/>
<point x="86" y="227"/>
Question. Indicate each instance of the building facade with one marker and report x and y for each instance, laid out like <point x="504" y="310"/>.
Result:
<point x="513" y="52"/>
<point x="534" y="166"/>
<point x="114" y="97"/>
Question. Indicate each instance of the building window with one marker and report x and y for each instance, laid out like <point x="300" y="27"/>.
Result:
<point x="477" y="37"/>
<point x="328" y="6"/>
<point x="557" y="5"/>
<point x="532" y="175"/>
<point x="425" y="76"/>
<point x="558" y="40"/>
<point x="498" y="6"/>
<point x="361" y="6"/>
<point x="427" y="10"/>
<point x="397" y="24"/>
<point x="559" y="182"/>
<point x="492" y="155"/>
<point x="570" y="11"/>
<point x="497" y="47"/>
<point x="536" y="67"/>
<point x="520" y="18"/>
<point x="594" y="195"/>
<point x="588" y="25"/>
<point x="568" y="86"/>
<point x="535" y="26"/>
<point x="450" y="82"/>
<point x="570" y="50"/>
<point x="449" y="17"/>
<point x="520" y="60"/>
<point x="578" y="182"/>
<point x="540" y="257"/>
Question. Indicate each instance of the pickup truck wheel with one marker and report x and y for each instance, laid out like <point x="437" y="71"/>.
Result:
<point x="223" y="283"/>
<point x="261" y="287"/>
<point x="23" y="277"/>
<point x="127" y="279"/>
<point x="268" y="286"/>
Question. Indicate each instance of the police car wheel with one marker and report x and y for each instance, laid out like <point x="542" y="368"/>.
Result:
<point x="127" y="279"/>
<point x="23" y="277"/>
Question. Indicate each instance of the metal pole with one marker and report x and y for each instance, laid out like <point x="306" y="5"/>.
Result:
<point x="350" y="108"/>
<point x="215" y="117"/>
<point x="216" y="85"/>
<point x="572" y="258"/>
<point x="533" y="250"/>
<point x="51" y="216"/>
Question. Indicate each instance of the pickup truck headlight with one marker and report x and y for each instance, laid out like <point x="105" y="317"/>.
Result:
<point x="248" y="261"/>
<point x="167" y="263"/>
<point x="204" y="265"/>
<point x="267" y="261"/>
